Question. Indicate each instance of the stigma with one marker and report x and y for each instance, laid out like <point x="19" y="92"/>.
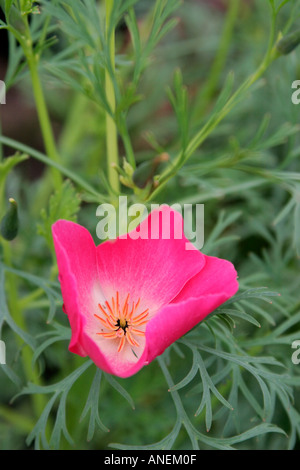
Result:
<point x="123" y="322"/>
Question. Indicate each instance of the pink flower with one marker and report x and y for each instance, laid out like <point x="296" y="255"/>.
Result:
<point x="128" y="299"/>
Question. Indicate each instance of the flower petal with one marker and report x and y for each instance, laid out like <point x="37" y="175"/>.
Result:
<point x="78" y="276"/>
<point x="180" y="286"/>
<point x="104" y="353"/>
<point x="218" y="275"/>
<point x="176" y="319"/>
<point x="153" y="269"/>
<point x="205" y="292"/>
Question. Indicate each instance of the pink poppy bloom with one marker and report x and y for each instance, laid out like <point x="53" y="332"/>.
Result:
<point x="128" y="299"/>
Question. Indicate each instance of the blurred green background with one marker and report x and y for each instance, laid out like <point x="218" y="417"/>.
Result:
<point x="247" y="175"/>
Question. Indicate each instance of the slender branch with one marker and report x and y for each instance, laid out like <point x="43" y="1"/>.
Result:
<point x="43" y="115"/>
<point x="111" y="128"/>
<point x="31" y="374"/>
<point x="212" y="123"/>
<point x="181" y="413"/>
<point x="220" y="59"/>
<point x="47" y="161"/>
<point x="32" y="59"/>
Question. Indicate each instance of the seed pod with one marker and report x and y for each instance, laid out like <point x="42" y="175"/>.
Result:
<point x="9" y="224"/>
<point x="288" y="43"/>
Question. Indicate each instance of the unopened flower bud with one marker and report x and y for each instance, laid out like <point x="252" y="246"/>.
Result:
<point x="9" y="224"/>
<point x="288" y="43"/>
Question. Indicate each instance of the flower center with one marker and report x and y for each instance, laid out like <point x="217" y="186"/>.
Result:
<point x="122" y="322"/>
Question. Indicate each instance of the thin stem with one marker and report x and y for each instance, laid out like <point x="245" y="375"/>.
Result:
<point x="212" y="123"/>
<point x="23" y="424"/>
<point x="43" y="115"/>
<point x="47" y="161"/>
<point x="111" y="128"/>
<point x="28" y="299"/>
<point x="1" y="146"/>
<point x="220" y="59"/>
<point x="2" y="193"/>
<point x="127" y="143"/>
<point x="33" y="58"/>
<point x="17" y="314"/>
<point x="181" y="413"/>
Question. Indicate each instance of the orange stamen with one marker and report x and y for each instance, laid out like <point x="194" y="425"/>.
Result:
<point x="121" y="344"/>
<point x="122" y="323"/>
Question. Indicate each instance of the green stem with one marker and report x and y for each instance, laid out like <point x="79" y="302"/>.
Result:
<point x="1" y="146"/>
<point x="181" y="413"/>
<point x="127" y="143"/>
<point x="28" y="299"/>
<point x="43" y="115"/>
<point x="111" y="128"/>
<point x="47" y="161"/>
<point x="17" y="314"/>
<point x="20" y="423"/>
<point x="212" y="123"/>
<point x="212" y="82"/>
<point x="23" y="36"/>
